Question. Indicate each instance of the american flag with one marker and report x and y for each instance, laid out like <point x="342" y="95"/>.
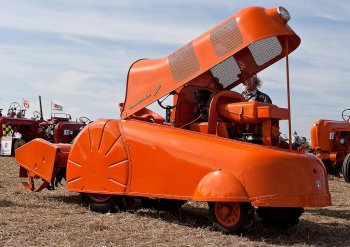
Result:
<point x="56" y="107"/>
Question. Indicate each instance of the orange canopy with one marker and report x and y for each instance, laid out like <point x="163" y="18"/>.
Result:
<point x="239" y="47"/>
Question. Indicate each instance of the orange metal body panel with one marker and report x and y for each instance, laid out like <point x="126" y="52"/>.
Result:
<point x="176" y="166"/>
<point x="151" y="79"/>
<point x="98" y="162"/>
<point x="39" y="157"/>
<point x="201" y="127"/>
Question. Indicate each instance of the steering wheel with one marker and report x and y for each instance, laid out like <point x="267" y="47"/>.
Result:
<point x="346" y="115"/>
<point x="36" y="115"/>
<point x="14" y="108"/>
<point x="168" y="107"/>
<point x="85" y="120"/>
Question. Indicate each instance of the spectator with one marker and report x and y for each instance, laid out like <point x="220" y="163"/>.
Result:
<point x="16" y="134"/>
<point x="251" y="92"/>
<point x="296" y="141"/>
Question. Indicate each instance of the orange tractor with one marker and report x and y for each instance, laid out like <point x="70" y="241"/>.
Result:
<point x="330" y="140"/>
<point x="212" y="146"/>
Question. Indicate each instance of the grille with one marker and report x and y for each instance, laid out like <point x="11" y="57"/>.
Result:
<point x="226" y="37"/>
<point x="265" y="50"/>
<point x="227" y="71"/>
<point x="183" y="63"/>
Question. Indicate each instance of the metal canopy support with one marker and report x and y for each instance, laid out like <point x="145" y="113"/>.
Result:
<point x="288" y="94"/>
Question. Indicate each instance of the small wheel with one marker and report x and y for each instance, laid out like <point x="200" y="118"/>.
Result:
<point x="101" y="203"/>
<point x="333" y="168"/>
<point x="281" y="216"/>
<point x="346" y="115"/>
<point x="346" y="168"/>
<point x="231" y="217"/>
<point x="18" y="143"/>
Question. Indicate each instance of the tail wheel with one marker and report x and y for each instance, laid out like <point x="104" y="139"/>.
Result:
<point x="282" y="216"/>
<point x="231" y="217"/>
<point x="346" y="168"/>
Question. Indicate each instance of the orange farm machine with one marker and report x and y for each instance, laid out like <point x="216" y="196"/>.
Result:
<point x="330" y="141"/>
<point x="212" y="146"/>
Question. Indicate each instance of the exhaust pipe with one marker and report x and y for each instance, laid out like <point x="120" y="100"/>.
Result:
<point x="41" y="109"/>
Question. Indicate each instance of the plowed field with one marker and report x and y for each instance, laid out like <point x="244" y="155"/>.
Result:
<point x="56" y="218"/>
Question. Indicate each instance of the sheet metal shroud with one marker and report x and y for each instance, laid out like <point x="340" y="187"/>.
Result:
<point x="234" y="50"/>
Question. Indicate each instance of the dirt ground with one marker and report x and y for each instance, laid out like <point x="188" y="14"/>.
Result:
<point x="56" y="218"/>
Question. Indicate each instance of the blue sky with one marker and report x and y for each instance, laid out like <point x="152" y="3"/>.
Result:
<point x="77" y="53"/>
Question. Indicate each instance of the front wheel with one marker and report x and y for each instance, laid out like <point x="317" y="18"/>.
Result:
<point x="282" y="216"/>
<point x="346" y="168"/>
<point x="231" y="217"/>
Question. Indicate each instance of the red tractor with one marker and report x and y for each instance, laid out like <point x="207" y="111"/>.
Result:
<point x="58" y="129"/>
<point x="61" y="129"/>
<point x="330" y="141"/>
<point x="15" y="120"/>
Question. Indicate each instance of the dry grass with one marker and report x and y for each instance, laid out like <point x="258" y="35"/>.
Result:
<point x="56" y="218"/>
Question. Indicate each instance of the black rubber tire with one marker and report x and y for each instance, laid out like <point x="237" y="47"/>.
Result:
<point x="245" y="221"/>
<point x="17" y="143"/>
<point x="280" y="216"/>
<point x="346" y="168"/>
<point x="331" y="168"/>
<point x="162" y="204"/>
<point x="112" y="204"/>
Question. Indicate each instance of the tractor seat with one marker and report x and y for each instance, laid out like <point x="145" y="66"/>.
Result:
<point x="252" y="112"/>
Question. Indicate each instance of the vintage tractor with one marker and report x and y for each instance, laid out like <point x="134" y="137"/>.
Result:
<point x="16" y="120"/>
<point x="330" y="140"/>
<point x="212" y="146"/>
<point x="61" y="129"/>
<point x="58" y="129"/>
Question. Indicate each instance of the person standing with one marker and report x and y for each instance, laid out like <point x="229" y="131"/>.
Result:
<point x="16" y="134"/>
<point x="251" y="92"/>
<point x="296" y="141"/>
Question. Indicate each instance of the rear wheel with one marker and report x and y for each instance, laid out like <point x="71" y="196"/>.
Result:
<point x="346" y="168"/>
<point x="281" y="216"/>
<point x="231" y="217"/>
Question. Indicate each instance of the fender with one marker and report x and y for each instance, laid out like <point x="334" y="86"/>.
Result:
<point x="220" y="186"/>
